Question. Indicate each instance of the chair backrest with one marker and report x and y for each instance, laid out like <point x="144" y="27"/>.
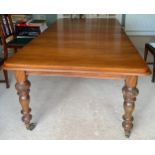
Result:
<point x="7" y="25"/>
<point x="4" y="47"/>
<point x="7" y="31"/>
<point x="7" y="28"/>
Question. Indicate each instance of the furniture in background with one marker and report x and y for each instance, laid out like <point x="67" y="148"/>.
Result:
<point x="90" y="48"/>
<point x="32" y="28"/>
<point x="3" y="57"/>
<point x="84" y="16"/>
<point x="8" y="35"/>
<point x="21" y="17"/>
<point x="77" y="16"/>
<point x="150" y="47"/>
<point x="72" y="16"/>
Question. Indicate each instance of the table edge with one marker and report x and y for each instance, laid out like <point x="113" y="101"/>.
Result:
<point x="78" y="73"/>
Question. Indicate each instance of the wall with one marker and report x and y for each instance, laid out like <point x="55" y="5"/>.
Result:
<point x="88" y="15"/>
<point x="49" y="17"/>
<point x="119" y="18"/>
<point x="140" y="24"/>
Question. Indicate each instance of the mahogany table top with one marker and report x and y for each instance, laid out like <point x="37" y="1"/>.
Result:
<point x="95" y="47"/>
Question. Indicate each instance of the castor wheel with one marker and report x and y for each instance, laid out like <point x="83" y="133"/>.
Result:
<point x="31" y="126"/>
<point x="127" y="134"/>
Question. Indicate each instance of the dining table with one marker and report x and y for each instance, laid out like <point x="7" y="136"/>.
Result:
<point x="85" y="48"/>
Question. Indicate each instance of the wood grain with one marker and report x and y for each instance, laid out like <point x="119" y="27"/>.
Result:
<point x="23" y="88"/>
<point x="129" y="94"/>
<point x="90" y="45"/>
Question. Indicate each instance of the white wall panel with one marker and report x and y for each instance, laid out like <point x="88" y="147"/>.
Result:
<point x="140" y="24"/>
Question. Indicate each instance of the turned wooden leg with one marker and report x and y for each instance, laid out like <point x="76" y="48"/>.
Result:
<point x="22" y="87"/>
<point x="129" y="93"/>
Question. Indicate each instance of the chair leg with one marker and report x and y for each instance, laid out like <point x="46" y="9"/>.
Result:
<point x="153" y="76"/>
<point x="6" y="78"/>
<point x="145" y="53"/>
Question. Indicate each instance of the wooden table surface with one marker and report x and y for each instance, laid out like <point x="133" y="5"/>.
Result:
<point x="92" y="45"/>
<point x="96" y="48"/>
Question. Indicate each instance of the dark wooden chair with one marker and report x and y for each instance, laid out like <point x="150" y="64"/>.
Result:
<point x="10" y="40"/>
<point x="3" y="57"/>
<point x="151" y="49"/>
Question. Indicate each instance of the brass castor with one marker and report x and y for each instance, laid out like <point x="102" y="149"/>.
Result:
<point x="127" y="134"/>
<point x="31" y="126"/>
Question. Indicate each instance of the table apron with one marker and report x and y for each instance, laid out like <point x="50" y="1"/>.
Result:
<point x="79" y="74"/>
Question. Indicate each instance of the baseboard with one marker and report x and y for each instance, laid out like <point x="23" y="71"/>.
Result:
<point x="140" y="33"/>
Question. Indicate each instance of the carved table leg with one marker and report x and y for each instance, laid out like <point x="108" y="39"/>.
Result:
<point x="22" y="87"/>
<point x="129" y="93"/>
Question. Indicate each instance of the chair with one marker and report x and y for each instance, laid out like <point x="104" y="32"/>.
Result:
<point x="150" y="48"/>
<point x="2" y="59"/>
<point x="10" y="40"/>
